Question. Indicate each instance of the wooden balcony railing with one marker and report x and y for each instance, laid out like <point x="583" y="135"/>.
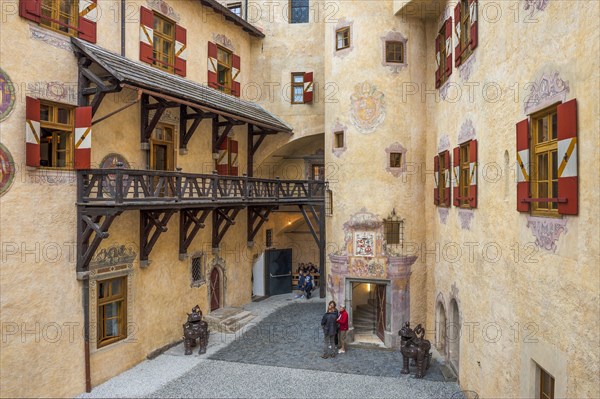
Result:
<point x="130" y="188"/>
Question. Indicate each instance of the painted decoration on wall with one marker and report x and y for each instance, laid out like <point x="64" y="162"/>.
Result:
<point x="546" y="231"/>
<point x="467" y="132"/>
<point x="443" y="143"/>
<point x="443" y="213"/>
<point x="466" y="68"/>
<point x="52" y="38"/>
<point x="395" y="148"/>
<point x="367" y="111"/>
<point x="7" y="169"/>
<point x="114" y="255"/>
<point x="535" y="6"/>
<point x="7" y="95"/>
<point x="466" y="217"/>
<point x="550" y="88"/>
<point x="53" y="91"/>
<point x="224" y="41"/>
<point x="364" y="243"/>
<point x="164" y="8"/>
<point x="367" y="268"/>
<point x="112" y="161"/>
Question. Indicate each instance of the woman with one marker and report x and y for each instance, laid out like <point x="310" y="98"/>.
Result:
<point x="329" y="324"/>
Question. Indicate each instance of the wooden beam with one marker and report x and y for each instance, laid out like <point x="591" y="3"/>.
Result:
<point x="152" y="225"/>
<point x="223" y="219"/>
<point x="257" y="216"/>
<point x="88" y="224"/>
<point x="189" y="218"/>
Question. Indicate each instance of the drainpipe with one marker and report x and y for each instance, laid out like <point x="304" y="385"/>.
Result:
<point x="123" y="28"/>
<point x="86" y="333"/>
<point x="246" y="10"/>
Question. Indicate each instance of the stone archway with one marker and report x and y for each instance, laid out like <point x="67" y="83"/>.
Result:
<point x="440" y="328"/>
<point x="453" y="336"/>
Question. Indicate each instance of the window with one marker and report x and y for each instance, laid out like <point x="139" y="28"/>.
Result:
<point x="198" y="270"/>
<point x="298" y="88"/>
<point x="298" y="11"/>
<point x="394" y="52"/>
<point x="442" y="179"/>
<point x="442" y="60"/>
<point x="464" y="179"/>
<point x="395" y="159"/>
<point x="112" y="311"/>
<point x="235" y="8"/>
<point x="339" y="140"/>
<point x="328" y="202"/>
<point x="465" y="30"/>
<point x="56" y="136"/>
<point x="318" y="172"/>
<point x="544" y="151"/>
<point x="163" y="43"/>
<point x="546" y="384"/>
<point x="162" y="148"/>
<point x="393" y="229"/>
<point x="342" y="38"/>
<point x="60" y="15"/>
<point x="224" y="60"/>
<point x="269" y="238"/>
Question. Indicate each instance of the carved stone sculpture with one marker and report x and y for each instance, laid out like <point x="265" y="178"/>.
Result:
<point x="195" y="329"/>
<point x="414" y="346"/>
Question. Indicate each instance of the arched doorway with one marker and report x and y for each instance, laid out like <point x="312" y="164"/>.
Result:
<point x="454" y="336"/>
<point x="440" y="328"/>
<point x="215" y="289"/>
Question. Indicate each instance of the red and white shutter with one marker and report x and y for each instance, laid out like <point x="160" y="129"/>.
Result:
<point x="88" y="16"/>
<point x="83" y="138"/>
<point x="456" y="186"/>
<point x="146" y="35"/>
<point x="448" y="47"/>
<point x="438" y="60"/>
<point x="32" y="131"/>
<point x="448" y="183"/>
<point x="523" y="166"/>
<point x="223" y="159"/>
<point x="180" y="50"/>
<point x="236" y="86"/>
<point x="212" y="66"/>
<point x="30" y="9"/>
<point x="436" y="178"/>
<point x="473" y="19"/>
<point x="308" y="87"/>
<point x="233" y="158"/>
<point x="568" y="185"/>
<point x="473" y="174"/>
<point x="457" y="49"/>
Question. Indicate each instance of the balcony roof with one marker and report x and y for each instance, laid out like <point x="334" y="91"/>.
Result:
<point x="145" y="77"/>
<point x="230" y="16"/>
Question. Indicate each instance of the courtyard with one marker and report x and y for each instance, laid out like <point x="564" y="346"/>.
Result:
<point x="277" y="355"/>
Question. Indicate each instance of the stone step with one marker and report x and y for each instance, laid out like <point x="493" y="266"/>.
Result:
<point x="228" y="320"/>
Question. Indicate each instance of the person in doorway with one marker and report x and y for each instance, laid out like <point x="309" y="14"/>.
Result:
<point x="300" y="286"/>
<point x="328" y="322"/>
<point x="342" y="322"/>
<point x="308" y="284"/>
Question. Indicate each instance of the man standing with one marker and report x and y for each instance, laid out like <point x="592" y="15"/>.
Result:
<point x="342" y="321"/>
<point x="328" y="322"/>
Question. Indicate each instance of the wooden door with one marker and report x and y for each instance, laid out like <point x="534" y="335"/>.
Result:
<point x="380" y="293"/>
<point x="215" y="289"/>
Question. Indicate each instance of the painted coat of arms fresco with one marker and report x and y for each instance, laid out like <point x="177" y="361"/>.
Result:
<point x="364" y="244"/>
<point x="7" y="95"/>
<point x="368" y="107"/>
<point x="7" y="169"/>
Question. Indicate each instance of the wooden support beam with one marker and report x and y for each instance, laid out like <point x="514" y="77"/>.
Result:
<point x="195" y="219"/>
<point x="152" y="225"/>
<point x="91" y="84"/>
<point x="257" y="216"/>
<point x="319" y="239"/>
<point x="186" y="134"/>
<point x="310" y="225"/>
<point x="91" y="223"/>
<point x="223" y="219"/>
<point x="219" y="138"/>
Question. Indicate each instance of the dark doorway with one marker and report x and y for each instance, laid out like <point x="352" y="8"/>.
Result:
<point x="278" y="264"/>
<point x="380" y="298"/>
<point x="215" y="289"/>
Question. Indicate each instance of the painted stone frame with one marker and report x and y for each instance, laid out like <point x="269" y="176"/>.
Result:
<point x="394" y="37"/>
<point x="367" y="110"/>
<point x="364" y="243"/>
<point x="396" y="148"/>
<point x="338" y="127"/>
<point x="343" y="23"/>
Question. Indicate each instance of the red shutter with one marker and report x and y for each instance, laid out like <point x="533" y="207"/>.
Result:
<point x="233" y="158"/>
<point x="30" y="9"/>
<point x="236" y="86"/>
<point x="456" y="186"/>
<point x="568" y="185"/>
<point x="448" y="47"/>
<point x="88" y="15"/>
<point x="180" y="50"/>
<point x="448" y="184"/>
<point x="83" y="138"/>
<point x="146" y="35"/>
<point x="523" y="165"/>
<point x="223" y="159"/>
<point x="32" y="131"/>
<point x="308" y="87"/>
<point x="437" y="61"/>
<point x="473" y="174"/>
<point x="473" y="19"/>
<point x="436" y="179"/>
<point x="212" y="66"/>
<point x="457" y="49"/>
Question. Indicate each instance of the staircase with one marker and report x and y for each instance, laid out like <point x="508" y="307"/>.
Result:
<point x="228" y="320"/>
<point x="364" y="319"/>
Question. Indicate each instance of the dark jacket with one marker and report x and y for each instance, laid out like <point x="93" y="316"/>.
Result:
<point x="329" y="324"/>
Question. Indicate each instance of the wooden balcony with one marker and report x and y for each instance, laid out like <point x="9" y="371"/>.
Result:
<point x="147" y="189"/>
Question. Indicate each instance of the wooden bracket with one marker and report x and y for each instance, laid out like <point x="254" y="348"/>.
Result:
<point x="257" y="216"/>
<point x="152" y="225"/>
<point x="160" y="106"/>
<point x="218" y="139"/>
<point x="90" y="84"/>
<point x="197" y="116"/>
<point x="253" y="144"/>
<point x="189" y="218"/>
<point x="90" y="222"/>
<point x="223" y="219"/>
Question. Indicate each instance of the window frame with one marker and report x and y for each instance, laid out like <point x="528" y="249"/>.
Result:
<point x="170" y="144"/>
<point x="345" y="32"/>
<point x="442" y="179"/>
<point x="53" y="23"/>
<point x="295" y="84"/>
<point x="543" y="375"/>
<point x="443" y="56"/>
<point x="339" y="141"/>
<point x="158" y="40"/>
<point x="234" y="6"/>
<point x="393" y="165"/>
<point x="56" y="126"/>
<point x="103" y="340"/>
<point x="549" y="147"/>
<point x="227" y="85"/>
<point x="291" y="11"/>
<point x="465" y="30"/>
<point x="387" y="52"/>
<point x="200" y="257"/>
<point x="464" y="168"/>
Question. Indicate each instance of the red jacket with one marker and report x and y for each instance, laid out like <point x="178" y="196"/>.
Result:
<point x="342" y="320"/>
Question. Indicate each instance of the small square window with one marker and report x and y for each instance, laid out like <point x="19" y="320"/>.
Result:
<point x="235" y="8"/>
<point x="298" y="88"/>
<point x="329" y="203"/>
<point x="198" y="270"/>
<point x="394" y="52"/>
<point x="395" y="159"/>
<point x="339" y="140"/>
<point x="342" y="38"/>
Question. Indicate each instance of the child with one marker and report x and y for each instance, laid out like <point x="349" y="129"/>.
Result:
<point x="308" y="284"/>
